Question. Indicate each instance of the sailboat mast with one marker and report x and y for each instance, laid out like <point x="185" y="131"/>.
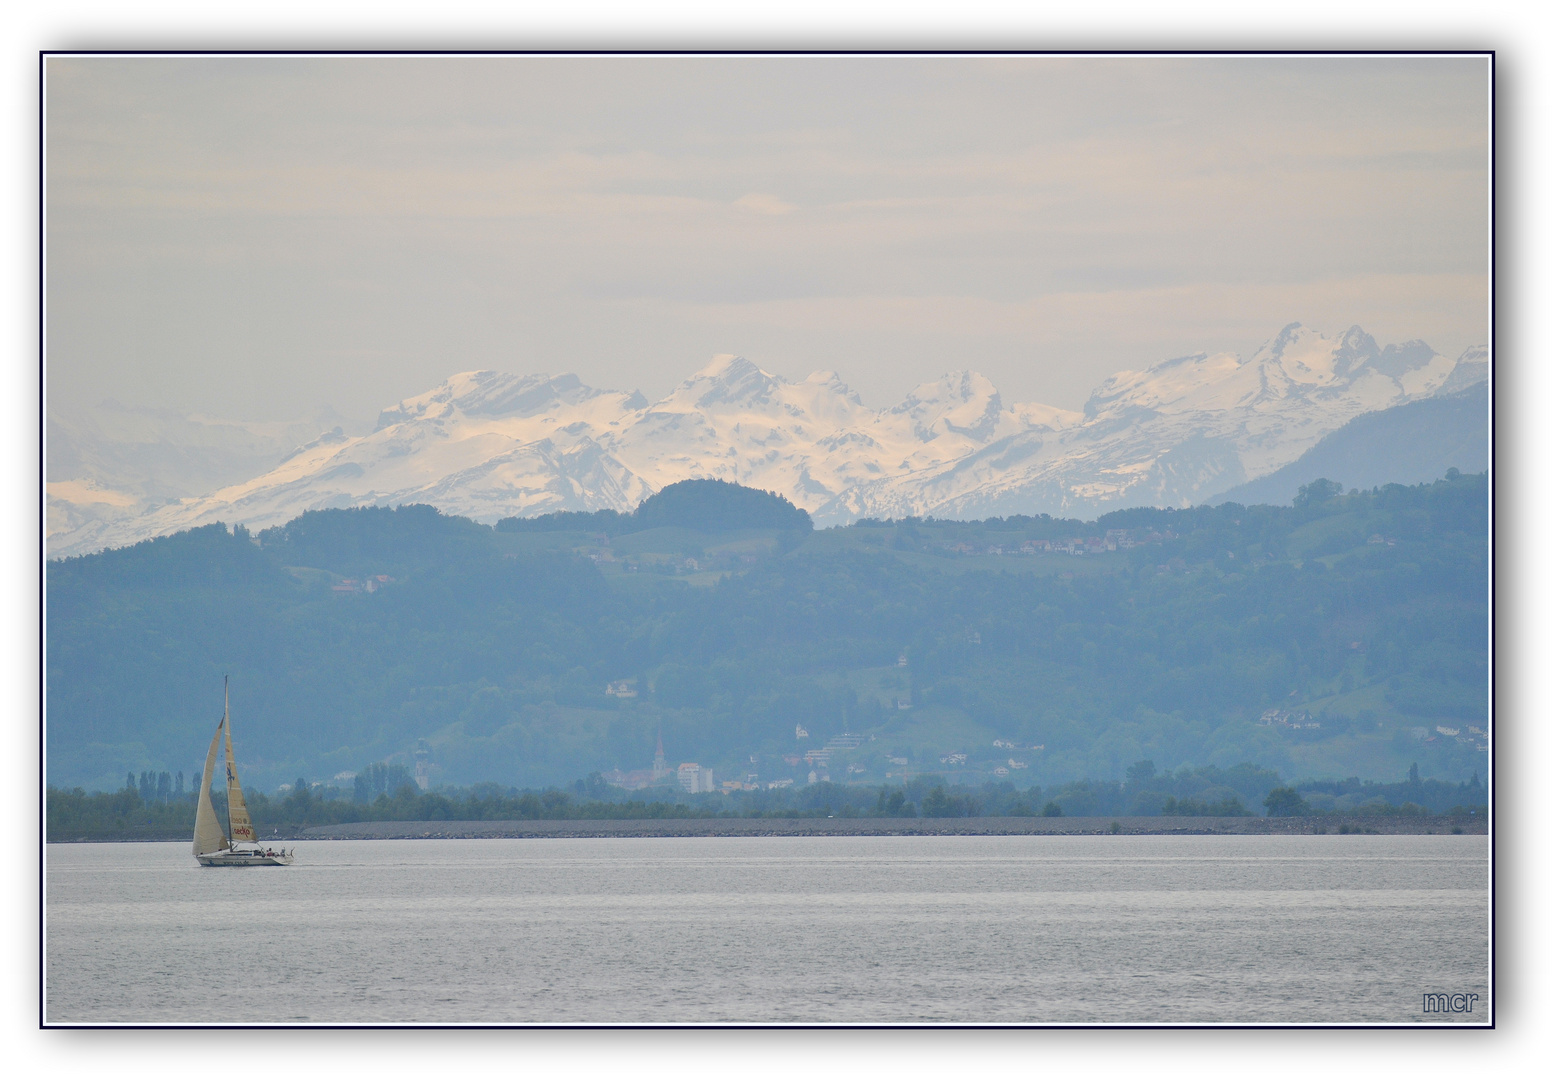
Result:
<point x="239" y="825"/>
<point x="226" y="725"/>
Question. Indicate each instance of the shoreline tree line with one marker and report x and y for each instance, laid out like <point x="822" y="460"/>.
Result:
<point x="387" y="793"/>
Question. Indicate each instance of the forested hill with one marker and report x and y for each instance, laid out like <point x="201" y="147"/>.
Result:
<point x="708" y="506"/>
<point x="1342" y="636"/>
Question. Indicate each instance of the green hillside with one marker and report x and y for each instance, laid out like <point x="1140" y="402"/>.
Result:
<point x="1344" y="636"/>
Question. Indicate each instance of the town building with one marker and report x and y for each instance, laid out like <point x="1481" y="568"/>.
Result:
<point x="638" y="779"/>
<point x="694" y="779"/>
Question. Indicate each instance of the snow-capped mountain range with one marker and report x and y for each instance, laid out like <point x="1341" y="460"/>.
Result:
<point x="489" y="445"/>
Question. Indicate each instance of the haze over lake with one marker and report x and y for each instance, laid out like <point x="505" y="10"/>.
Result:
<point x="686" y="448"/>
<point x="831" y="930"/>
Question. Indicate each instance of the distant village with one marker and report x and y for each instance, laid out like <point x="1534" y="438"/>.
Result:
<point x="599" y="551"/>
<point x="369" y="584"/>
<point x="1296" y="720"/>
<point x="810" y="762"/>
<point x="848" y="753"/>
<point x="1112" y="540"/>
<point x="810" y="765"/>
<point x="1469" y="735"/>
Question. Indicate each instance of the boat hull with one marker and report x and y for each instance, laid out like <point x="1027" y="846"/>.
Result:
<point x="243" y="858"/>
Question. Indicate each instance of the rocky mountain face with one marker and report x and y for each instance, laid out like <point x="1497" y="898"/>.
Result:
<point x="489" y="445"/>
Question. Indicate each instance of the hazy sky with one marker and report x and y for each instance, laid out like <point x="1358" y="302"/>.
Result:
<point x="255" y="237"/>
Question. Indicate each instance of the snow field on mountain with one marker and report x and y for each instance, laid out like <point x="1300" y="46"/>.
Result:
<point x="489" y="445"/>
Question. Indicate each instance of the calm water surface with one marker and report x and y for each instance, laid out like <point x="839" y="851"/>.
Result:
<point x="1001" y="929"/>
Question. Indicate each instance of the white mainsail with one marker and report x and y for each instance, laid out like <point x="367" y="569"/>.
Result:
<point x="208" y="830"/>
<point x="238" y="823"/>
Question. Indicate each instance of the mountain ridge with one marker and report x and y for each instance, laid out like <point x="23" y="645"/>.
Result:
<point x="1409" y="444"/>
<point x="489" y="445"/>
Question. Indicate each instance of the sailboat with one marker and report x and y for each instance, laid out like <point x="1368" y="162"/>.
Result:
<point x="214" y="845"/>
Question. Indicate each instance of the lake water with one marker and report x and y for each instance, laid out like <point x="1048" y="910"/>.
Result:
<point x="1001" y="929"/>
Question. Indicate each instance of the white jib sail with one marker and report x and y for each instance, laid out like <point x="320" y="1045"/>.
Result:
<point x="237" y="810"/>
<point x="208" y="831"/>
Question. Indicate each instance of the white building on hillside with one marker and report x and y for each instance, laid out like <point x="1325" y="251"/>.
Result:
<point x="694" y="779"/>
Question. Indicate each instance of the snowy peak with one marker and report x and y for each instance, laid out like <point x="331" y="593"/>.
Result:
<point x="1171" y="385"/>
<point x="1471" y="368"/>
<point x="487" y="444"/>
<point x="1033" y="415"/>
<point x="1355" y="349"/>
<point x="722" y="366"/>
<point x="829" y="386"/>
<point x="1358" y="350"/>
<point x="1296" y="365"/>
<point x="735" y="421"/>
<point x="1307" y="357"/>
<point x="1176" y="433"/>
<point x="727" y="381"/>
<point x="731" y="386"/>
<point x="494" y="394"/>
<point x="961" y="403"/>
<point x="1401" y="361"/>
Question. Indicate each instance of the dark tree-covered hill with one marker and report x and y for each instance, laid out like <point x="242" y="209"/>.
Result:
<point x="1343" y="636"/>
<point x="719" y="506"/>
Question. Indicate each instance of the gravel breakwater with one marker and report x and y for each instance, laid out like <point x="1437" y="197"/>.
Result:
<point x="1014" y="826"/>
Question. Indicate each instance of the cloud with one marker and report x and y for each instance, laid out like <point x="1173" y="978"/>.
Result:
<point x="760" y="203"/>
<point x="279" y="230"/>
